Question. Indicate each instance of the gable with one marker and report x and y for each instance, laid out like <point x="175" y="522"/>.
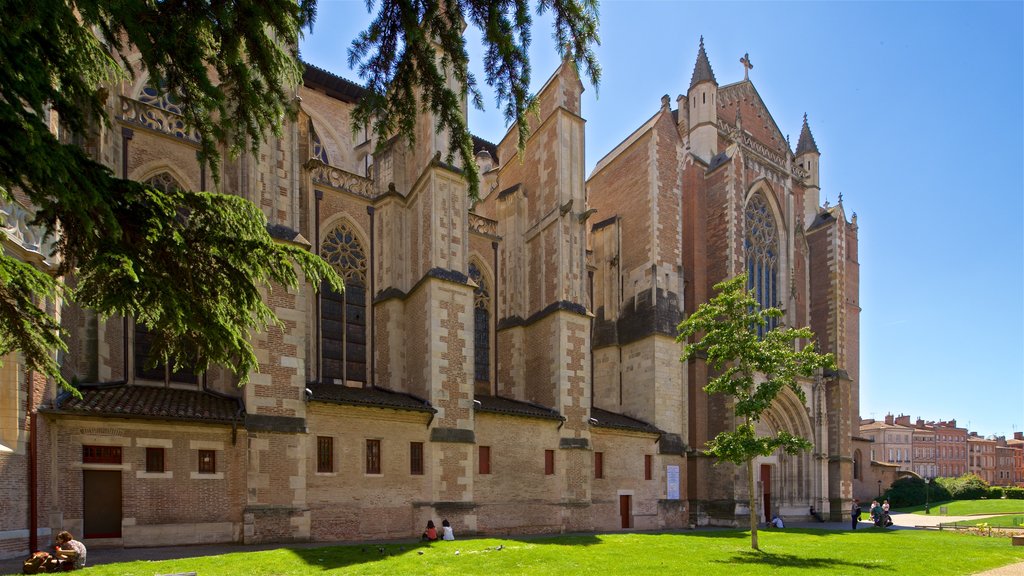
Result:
<point x="756" y="118"/>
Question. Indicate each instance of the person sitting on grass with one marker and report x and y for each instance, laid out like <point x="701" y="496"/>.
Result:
<point x="430" y="534"/>
<point x="446" y="530"/>
<point x="70" y="552"/>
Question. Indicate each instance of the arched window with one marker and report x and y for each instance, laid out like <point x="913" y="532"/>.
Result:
<point x="481" y="326"/>
<point x="856" y="464"/>
<point x="164" y="182"/>
<point x="317" y="149"/>
<point x="343" y="316"/>
<point x="762" y="249"/>
<point x="143" y="336"/>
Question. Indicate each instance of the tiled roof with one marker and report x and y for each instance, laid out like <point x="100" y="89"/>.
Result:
<point x="335" y="86"/>
<point x="499" y="405"/>
<point x="806" y="142"/>
<point x="124" y="401"/>
<point x="702" y="68"/>
<point x="372" y="397"/>
<point x="606" y="419"/>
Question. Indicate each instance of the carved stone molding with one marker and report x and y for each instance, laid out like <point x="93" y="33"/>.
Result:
<point x="156" y="119"/>
<point x="483" y="225"/>
<point x="16" y="225"/>
<point x="325" y="175"/>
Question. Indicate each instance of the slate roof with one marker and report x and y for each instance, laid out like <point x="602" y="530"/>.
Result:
<point x="124" y="401"/>
<point x="702" y="68"/>
<point x="823" y="218"/>
<point x="718" y="160"/>
<point x="371" y="397"/>
<point x="282" y="232"/>
<point x="806" y="142"/>
<point x="335" y="86"/>
<point x="499" y="405"/>
<point x="606" y="419"/>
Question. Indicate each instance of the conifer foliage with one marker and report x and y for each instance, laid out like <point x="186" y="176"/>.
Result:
<point x="411" y="44"/>
<point x="190" y="265"/>
<point x="751" y="371"/>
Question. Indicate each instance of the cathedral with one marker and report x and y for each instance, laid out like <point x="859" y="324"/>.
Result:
<point x="509" y="364"/>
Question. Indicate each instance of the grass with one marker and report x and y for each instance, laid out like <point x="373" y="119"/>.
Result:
<point x="969" y="507"/>
<point x="1005" y="521"/>
<point x="708" y="553"/>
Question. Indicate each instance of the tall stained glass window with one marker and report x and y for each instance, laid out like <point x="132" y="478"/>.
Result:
<point x="481" y="326"/>
<point x="343" y="316"/>
<point x="762" y="249"/>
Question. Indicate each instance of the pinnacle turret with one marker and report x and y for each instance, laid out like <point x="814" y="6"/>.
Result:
<point x="702" y="69"/>
<point x="806" y="142"/>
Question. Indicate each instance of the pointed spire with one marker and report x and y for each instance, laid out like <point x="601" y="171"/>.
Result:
<point x="806" y="142"/>
<point x="702" y="69"/>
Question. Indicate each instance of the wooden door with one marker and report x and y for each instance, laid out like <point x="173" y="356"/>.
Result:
<point x="625" y="507"/>
<point x="766" y="490"/>
<point x="101" y="506"/>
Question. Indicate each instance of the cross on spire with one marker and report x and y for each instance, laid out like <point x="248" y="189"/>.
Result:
<point x="747" y="66"/>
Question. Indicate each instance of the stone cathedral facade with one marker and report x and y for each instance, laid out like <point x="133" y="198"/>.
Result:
<point x="509" y="364"/>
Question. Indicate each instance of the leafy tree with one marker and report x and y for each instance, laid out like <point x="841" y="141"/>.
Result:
<point x="751" y="371"/>
<point x="411" y="44"/>
<point x="190" y="264"/>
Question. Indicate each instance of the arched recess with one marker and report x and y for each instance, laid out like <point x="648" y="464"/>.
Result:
<point x="858" y="460"/>
<point x="792" y="475"/>
<point x="483" y="300"/>
<point x="142" y="338"/>
<point x="330" y="140"/>
<point x="343" y="317"/>
<point x="765" y="248"/>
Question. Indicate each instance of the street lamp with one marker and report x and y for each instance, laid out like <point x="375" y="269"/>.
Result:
<point x="926" y="482"/>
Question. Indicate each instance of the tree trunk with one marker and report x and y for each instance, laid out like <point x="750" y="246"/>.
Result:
<point x="752" y="497"/>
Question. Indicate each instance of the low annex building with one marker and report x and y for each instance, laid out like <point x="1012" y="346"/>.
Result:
<point x="509" y="364"/>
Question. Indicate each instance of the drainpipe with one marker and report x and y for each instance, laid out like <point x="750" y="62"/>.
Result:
<point x="33" y="496"/>
<point x="494" y="326"/>
<point x="126" y="135"/>
<point x="319" y="195"/>
<point x="372" y="324"/>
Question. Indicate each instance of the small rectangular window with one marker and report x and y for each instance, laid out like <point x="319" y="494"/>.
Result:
<point x="549" y="462"/>
<point x="648" y="461"/>
<point x="416" y="458"/>
<point x="324" y="454"/>
<point x="598" y="464"/>
<point x="207" y="462"/>
<point x="485" y="459"/>
<point x="101" y="454"/>
<point x="373" y="456"/>
<point x="154" y="460"/>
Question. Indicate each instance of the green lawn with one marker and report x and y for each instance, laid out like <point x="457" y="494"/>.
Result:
<point x="968" y="507"/>
<point x="704" y="552"/>
<point x="1005" y="521"/>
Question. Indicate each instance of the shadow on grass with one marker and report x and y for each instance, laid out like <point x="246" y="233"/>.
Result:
<point x="820" y="532"/>
<point x="768" y="559"/>
<point x="332" y="557"/>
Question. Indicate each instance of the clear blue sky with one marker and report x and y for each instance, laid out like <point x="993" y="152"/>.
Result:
<point x="917" y="111"/>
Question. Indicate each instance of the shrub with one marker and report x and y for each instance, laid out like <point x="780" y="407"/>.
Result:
<point x="966" y="487"/>
<point x="910" y="491"/>
<point x="995" y="493"/>
<point x="1014" y="492"/>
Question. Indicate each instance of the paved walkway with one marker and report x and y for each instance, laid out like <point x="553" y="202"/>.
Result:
<point x="112" y="555"/>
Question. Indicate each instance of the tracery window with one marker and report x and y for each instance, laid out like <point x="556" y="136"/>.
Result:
<point x="762" y="250"/>
<point x="481" y="326"/>
<point x="317" y="149"/>
<point x="143" y="336"/>
<point x="343" y="315"/>
<point x="160" y="98"/>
